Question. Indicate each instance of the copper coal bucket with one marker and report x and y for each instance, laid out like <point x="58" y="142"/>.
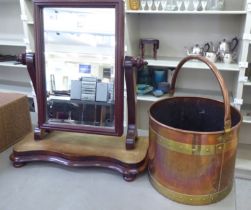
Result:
<point x="193" y="143"/>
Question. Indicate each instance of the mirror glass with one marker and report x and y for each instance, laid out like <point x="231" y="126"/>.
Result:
<point x="79" y="53"/>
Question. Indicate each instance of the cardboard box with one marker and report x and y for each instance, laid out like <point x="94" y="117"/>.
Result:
<point x="15" y="120"/>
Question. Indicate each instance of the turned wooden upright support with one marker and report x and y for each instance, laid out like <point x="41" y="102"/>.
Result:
<point x="28" y="59"/>
<point x="131" y="66"/>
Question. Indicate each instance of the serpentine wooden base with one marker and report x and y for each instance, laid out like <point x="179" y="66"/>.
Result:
<point x="83" y="150"/>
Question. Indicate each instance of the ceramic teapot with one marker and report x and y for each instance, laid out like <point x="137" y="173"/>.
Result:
<point x="197" y="50"/>
<point x="227" y="47"/>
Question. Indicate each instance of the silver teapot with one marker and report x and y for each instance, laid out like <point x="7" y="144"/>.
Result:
<point x="211" y="54"/>
<point x="227" y="47"/>
<point x="197" y="50"/>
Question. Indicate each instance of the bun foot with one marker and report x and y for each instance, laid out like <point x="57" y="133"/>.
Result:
<point x="129" y="177"/>
<point x="18" y="164"/>
<point x="15" y="163"/>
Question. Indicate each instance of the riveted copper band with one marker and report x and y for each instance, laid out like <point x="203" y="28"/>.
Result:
<point x="191" y="149"/>
<point x="190" y="199"/>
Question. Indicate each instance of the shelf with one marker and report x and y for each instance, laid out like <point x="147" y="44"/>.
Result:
<point x="30" y="22"/>
<point x="27" y="19"/>
<point x="243" y="161"/>
<point x="173" y="62"/>
<point x="150" y="98"/>
<point x="246" y="113"/>
<point x="16" y="87"/>
<point x="207" y="12"/>
<point x="12" y="42"/>
<point x="246" y="119"/>
<point x="248" y="83"/>
<point x="187" y="92"/>
<point x="12" y="64"/>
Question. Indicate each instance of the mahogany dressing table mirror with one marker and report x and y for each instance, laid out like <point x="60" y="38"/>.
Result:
<point x="77" y="72"/>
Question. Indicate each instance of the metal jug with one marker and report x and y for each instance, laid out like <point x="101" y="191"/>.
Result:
<point x="227" y="47"/>
<point x="197" y="50"/>
<point x="211" y="53"/>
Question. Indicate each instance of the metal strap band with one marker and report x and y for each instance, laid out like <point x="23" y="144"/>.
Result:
<point x="189" y="199"/>
<point x="190" y="149"/>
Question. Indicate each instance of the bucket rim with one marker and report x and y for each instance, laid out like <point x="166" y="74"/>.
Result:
<point x="189" y="131"/>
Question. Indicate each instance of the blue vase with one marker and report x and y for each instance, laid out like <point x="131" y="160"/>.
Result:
<point x="159" y="76"/>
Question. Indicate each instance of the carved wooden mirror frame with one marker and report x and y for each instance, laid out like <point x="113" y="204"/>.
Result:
<point x="40" y="83"/>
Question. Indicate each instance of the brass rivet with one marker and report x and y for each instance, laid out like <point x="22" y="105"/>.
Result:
<point x="219" y="148"/>
<point x="191" y="199"/>
<point x="207" y="150"/>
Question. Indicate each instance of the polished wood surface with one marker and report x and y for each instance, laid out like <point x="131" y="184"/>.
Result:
<point x="85" y="146"/>
<point x="131" y="65"/>
<point x="78" y="150"/>
<point x="28" y="59"/>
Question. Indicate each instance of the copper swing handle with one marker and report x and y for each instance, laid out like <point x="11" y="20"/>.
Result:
<point x="224" y="91"/>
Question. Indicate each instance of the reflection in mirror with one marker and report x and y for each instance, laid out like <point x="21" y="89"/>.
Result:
<point x="79" y="47"/>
